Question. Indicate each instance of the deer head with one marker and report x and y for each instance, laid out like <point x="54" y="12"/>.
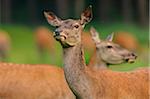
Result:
<point x="110" y="52"/>
<point x="68" y="31"/>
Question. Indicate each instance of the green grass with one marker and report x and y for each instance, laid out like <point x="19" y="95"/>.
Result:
<point x="23" y="48"/>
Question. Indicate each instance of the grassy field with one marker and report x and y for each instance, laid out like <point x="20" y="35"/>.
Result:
<point x="24" y="50"/>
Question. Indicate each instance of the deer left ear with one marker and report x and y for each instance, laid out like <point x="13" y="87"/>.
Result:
<point x="86" y="15"/>
<point x="110" y="37"/>
<point x="52" y="18"/>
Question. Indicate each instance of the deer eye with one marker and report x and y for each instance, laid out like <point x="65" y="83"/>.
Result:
<point x="109" y="46"/>
<point x="76" y="26"/>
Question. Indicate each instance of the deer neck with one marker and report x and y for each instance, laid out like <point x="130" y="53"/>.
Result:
<point x="96" y="62"/>
<point x="75" y="71"/>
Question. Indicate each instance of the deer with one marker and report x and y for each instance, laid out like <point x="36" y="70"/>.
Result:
<point x="103" y="49"/>
<point x="4" y="45"/>
<point x="86" y="83"/>
<point x="44" y="39"/>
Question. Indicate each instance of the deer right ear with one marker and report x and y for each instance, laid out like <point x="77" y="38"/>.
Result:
<point x="86" y="15"/>
<point x="110" y="37"/>
<point x="52" y="18"/>
<point x="95" y="35"/>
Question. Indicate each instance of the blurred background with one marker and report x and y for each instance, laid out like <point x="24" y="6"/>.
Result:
<point x="26" y="37"/>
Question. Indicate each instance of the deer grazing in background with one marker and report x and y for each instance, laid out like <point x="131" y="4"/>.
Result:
<point x="107" y="52"/>
<point x="4" y="45"/>
<point x="91" y="84"/>
<point x="44" y="40"/>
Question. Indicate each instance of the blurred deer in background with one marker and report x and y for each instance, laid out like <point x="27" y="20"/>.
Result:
<point x="44" y="40"/>
<point x="126" y="40"/>
<point x="4" y="45"/>
<point x="129" y="41"/>
<point x="92" y="84"/>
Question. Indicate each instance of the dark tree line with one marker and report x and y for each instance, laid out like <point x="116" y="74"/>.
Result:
<point x="30" y="11"/>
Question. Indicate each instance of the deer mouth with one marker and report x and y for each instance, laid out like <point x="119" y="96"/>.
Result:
<point x="60" y="37"/>
<point x="130" y="60"/>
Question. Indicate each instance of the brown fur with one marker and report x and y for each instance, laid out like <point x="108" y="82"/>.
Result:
<point x="88" y="43"/>
<point x="33" y="82"/>
<point x="93" y="60"/>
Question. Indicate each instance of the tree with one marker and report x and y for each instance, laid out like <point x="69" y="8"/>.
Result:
<point x="62" y="7"/>
<point x="142" y="12"/>
<point x="126" y="10"/>
<point x="5" y="12"/>
<point x="79" y="6"/>
<point x="104" y="7"/>
<point x="32" y="8"/>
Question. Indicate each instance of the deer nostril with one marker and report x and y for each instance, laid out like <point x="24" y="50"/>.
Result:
<point x="57" y="33"/>
<point x="127" y="60"/>
<point x="132" y="54"/>
<point x="135" y="56"/>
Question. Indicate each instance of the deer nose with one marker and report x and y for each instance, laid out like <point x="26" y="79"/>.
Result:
<point x="57" y="33"/>
<point x="133" y="54"/>
<point x="130" y="57"/>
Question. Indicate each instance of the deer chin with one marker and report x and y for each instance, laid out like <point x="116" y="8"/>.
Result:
<point x="60" y="37"/>
<point x="66" y="43"/>
<point x="115" y="62"/>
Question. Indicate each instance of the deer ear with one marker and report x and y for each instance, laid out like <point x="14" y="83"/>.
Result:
<point x="86" y="15"/>
<point x="95" y="35"/>
<point x="110" y="37"/>
<point x="52" y="18"/>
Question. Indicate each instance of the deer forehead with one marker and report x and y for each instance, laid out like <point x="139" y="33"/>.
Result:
<point x="108" y="43"/>
<point x="105" y="43"/>
<point x="69" y="23"/>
